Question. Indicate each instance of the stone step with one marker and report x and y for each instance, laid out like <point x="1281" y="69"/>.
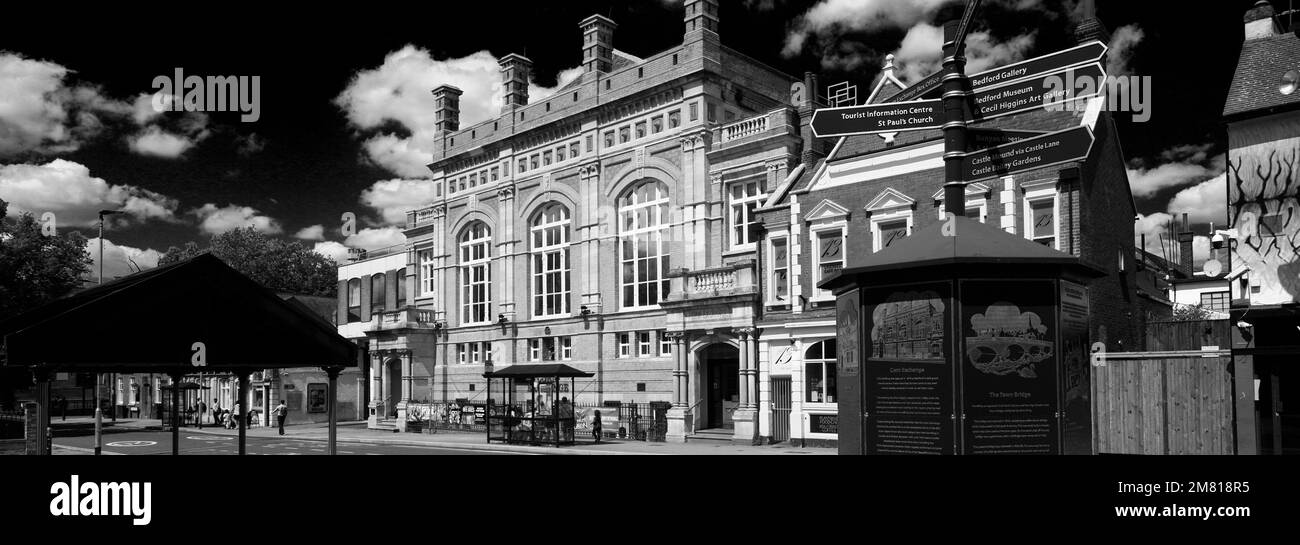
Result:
<point x="722" y="435"/>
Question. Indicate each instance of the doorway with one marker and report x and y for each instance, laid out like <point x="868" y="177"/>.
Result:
<point x="782" y="395"/>
<point x="721" y="385"/>
<point x="1276" y="414"/>
<point x="394" y="387"/>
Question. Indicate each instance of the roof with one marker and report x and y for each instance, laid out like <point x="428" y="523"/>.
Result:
<point x="1260" y="68"/>
<point x="151" y="322"/>
<point x="965" y="242"/>
<point x="542" y="370"/>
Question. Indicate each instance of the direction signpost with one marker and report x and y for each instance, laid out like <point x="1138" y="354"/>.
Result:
<point x="1042" y="151"/>
<point x="1034" y="93"/>
<point x="978" y="139"/>
<point x="877" y="118"/>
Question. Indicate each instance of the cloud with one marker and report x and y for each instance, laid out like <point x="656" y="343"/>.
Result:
<point x="376" y="238"/>
<point x="1154" y="225"/>
<point x="393" y="198"/>
<point x="1006" y="317"/>
<point x="398" y="91"/>
<point x="829" y="19"/>
<point x="249" y="145"/>
<point x="67" y="189"/>
<point x="214" y="221"/>
<point x="40" y="113"/>
<point x="332" y="250"/>
<point x="156" y="142"/>
<point x="920" y="53"/>
<point x="315" y="232"/>
<point x="1122" y="44"/>
<point x="1177" y="166"/>
<point x="119" y="260"/>
<point x="1206" y="202"/>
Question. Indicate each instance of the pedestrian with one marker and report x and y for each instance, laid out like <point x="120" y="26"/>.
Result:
<point x="203" y="408"/>
<point x="233" y="422"/>
<point x="280" y="412"/>
<point x="595" y="426"/>
<point x="216" y="411"/>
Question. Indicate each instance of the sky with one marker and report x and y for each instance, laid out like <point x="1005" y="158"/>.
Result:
<point x="344" y="114"/>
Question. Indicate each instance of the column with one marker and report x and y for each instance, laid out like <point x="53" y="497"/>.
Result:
<point x="332" y="393"/>
<point x="175" y="414"/>
<point x="243" y="412"/>
<point x="744" y="368"/>
<point x="42" y="376"/>
<point x="408" y="365"/>
<point x="679" y="370"/>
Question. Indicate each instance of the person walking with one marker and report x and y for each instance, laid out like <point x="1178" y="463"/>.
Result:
<point x="280" y="412"/>
<point x="216" y="411"/>
<point x="203" y="408"/>
<point x="595" y="425"/>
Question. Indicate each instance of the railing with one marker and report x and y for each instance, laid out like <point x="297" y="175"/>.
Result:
<point x="732" y="279"/>
<point x="745" y="128"/>
<point x="416" y="218"/>
<point x="713" y="281"/>
<point x="405" y="317"/>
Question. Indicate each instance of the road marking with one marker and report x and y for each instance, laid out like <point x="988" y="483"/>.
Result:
<point x="132" y="443"/>
<point x="208" y="438"/>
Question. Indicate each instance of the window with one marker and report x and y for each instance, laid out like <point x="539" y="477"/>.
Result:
<point x="550" y="349"/>
<point x="474" y="353"/>
<point x="657" y="124"/>
<point x="624" y="345"/>
<point x="575" y="96"/>
<point x="532" y="162"/>
<point x="674" y="58"/>
<point x="566" y="348"/>
<point x="487" y="352"/>
<point x="1216" y="301"/>
<point x="712" y="110"/>
<point x="590" y="143"/>
<point x="550" y="261"/>
<point x="819" y="372"/>
<point x="643" y="344"/>
<point x="495" y="173"/>
<point x="1042" y="218"/>
<point x="643" y="225"/>
<point x="461" y="353"/>
<point x="559" y="154"/>
<point x="573" y="149"/>
<point x="473" y="179"/>
<point x="534" y="350"/>
<point x="523" y="165"/>
<point x="674" y="119"/>
<point x="546" y="158"/>
<point x="624" y="135"/>
<point x="609" y="139"/>
<point x="892" y="232"/>
<point x="437" y="190"/>
<point x="745" y="198"/>
<point x="401" y="288"/>
<point x="695" y="111"/>
<point x="640" y="129"/>
<point x="462" y="183"/>
<point x="425" y="271"/>
<point x="354" y="300"/>
<point x="780" y="278"/>
<point x="640" y="72"/>
<point x="376" y="294"/>
<point x="475" y="273"/>
<point x="830" y="252"/>
<point x="665" y="344"/>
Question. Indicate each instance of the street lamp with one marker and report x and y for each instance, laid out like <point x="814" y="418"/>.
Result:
<point x="99" y="416"/>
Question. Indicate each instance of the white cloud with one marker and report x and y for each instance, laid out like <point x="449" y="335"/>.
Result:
<point x="1206" y="202"/>
<point x="1122" y="44"/>
<point x="1182" y="166"/>
<point x="376" y="238"/>
<point x="332" y="250"/>
<point x="920" y="54"/>
<point x="393" y="198"/>
<point x="315" y="232"/>
<point x="120" y="260"/>
<point x="399" y="89"/>
<point x="828" y="19"/>
<point x="67" y="189"/>
<point x="39" y="113"/>
<point x="156" y="142"/>
<point x="1154" y="225"/>
<point x="214" y="221"/>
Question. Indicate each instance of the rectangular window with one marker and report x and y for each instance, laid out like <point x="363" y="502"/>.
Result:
<point x="830" y="248"/>
<point x="590" y="143"/>
<point x="534" y="350"/>
<point x="657" y="124"/>
<point x="892" y="232"/>
<point x="532" y="162"/>
<point x="425" y="272"/>
<point x="473" y="179"/>
<point x="624" y="135"/>
<point x="487" y="353"/>
<point x="1043" y="218"/>
<point x="674" y="119"/>
<point x="573" y="150"/>
<point x="819" y="381"/>
<point x="476" y="278"/>
<point x="546" y="158"/>
<point x="624" y="345"/>
<point x="523" y="165"/>
<point x="640" y="129"/>
<point x="780" y="288"/>
<point x="609" y="139"/>
<point x="494" y="173"/>
<point x="1216" y="301"/>
<point x="665" y="344"/>
<point x="566" y="348"/>
<point x="975" y="213"/>
<point x="745" y="198"/>
<point x="559" y="154"/>
<point x="461" y="353"/>
<point x="473" y="353"/>
<point x="712" y="110"/>
<point x="643" y="344"/>
<point x="695" y="111"/>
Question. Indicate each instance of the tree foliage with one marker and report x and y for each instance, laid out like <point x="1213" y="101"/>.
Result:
<point x="35" y="268"/>
<point x="283" y="266"/>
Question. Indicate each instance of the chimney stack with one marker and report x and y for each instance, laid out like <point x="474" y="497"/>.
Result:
<point x="446" y="109"/>
<point x="597" y="44"/>
<point x="1185" y="237"/>
<point x="1259" y="21"/>
<point x="515" y="71"/>
<point x="1090" y="27"/>
<point x="701" y="18"/>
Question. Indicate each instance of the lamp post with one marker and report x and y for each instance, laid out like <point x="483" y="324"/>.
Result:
<point x="99" y="416"/>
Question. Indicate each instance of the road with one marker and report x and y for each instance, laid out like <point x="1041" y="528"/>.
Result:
<point x="159" y="442"/>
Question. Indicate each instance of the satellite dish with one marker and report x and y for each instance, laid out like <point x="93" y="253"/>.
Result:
<point x="1290" y="81"/>
<point x="1213" y="268"/>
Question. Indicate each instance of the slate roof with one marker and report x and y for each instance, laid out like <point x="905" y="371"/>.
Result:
<point x="1260" y="68"/>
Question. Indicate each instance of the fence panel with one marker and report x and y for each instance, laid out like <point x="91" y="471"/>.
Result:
<point x="1163" y="403"/>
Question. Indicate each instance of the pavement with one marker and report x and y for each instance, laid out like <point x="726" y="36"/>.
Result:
<point x="356" y="433"/>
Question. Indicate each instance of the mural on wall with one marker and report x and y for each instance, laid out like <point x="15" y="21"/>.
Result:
<point x="1008" y="341"/>
<point x="1262" y="191"/>
<point x="908" y="325"/>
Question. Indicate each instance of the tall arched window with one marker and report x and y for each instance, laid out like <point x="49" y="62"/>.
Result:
<point x="376" y="294"/>
<point x="643" y="255"/>
<point x="550" y="261"/>
<point x="475" y="273"/>
<point x="819" y="372"/>
<point x="354" y="299"/>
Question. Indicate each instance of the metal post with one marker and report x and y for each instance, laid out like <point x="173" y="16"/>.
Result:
<point x="176" y="412"/>
<point x="333" y="373"/>
<point x="243" y="412"/>
<point x="955" y="94"/>
<point x="42" y="376"/>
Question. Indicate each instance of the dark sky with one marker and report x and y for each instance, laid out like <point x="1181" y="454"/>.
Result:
<point x="313" y="169"/>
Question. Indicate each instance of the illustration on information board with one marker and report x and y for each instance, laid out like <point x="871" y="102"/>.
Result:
<point x="1007" y="341"/>
<point x="908" y="326"/>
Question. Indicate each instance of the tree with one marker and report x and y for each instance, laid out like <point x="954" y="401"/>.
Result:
<point x="283" y="266"/>
<point x="1190" y="313"/>
<point x="35" y="268"/>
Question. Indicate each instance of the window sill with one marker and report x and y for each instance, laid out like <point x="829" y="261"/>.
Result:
<point x="740" y="250"/>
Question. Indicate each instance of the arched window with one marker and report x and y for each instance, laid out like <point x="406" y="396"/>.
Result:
<point x="475" y="273"/>
<point x="377" y="294"/>
<point x="550" y="261"/>
<point x="819" y="372"/>
<point x="643" y="255"/>
<point x="354" y="300"/>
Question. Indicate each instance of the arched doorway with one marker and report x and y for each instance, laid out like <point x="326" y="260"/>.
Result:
<point x="393" y="369"/>
<point x="720" y="371"/>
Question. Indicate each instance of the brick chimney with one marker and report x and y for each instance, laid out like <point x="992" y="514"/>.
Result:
<point x="701" y="18"/>
<point x="1185" y="238"/>
<point x="1259" y="21"/>
<point x="515" y="70"/>
<point x="597" y="44"/>
<point x="1090" y="27"/>
<point x="446" y="108"/>
<point x="813" y="149"/>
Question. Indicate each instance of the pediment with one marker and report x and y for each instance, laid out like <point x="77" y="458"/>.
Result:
<point x="827" y="210"/>
<point x="889" y="199"/>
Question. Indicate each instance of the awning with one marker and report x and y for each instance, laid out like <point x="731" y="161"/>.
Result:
<point x="542" y="370"/>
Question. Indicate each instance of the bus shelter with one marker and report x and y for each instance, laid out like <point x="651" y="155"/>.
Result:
<point x="189" y="397"/>
<point x="532" y="404"/>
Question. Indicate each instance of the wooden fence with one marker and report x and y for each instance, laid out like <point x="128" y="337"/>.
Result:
<point x="1173" y="402"/>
